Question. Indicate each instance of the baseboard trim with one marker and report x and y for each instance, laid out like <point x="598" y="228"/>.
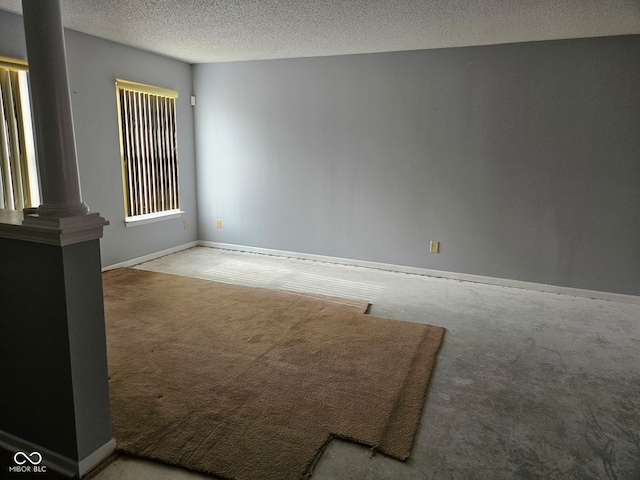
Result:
<point x="65" y="466"/>
<point x="502" y="282"/>
<point x="96" y="458"/>
<point x="151" y="256"/>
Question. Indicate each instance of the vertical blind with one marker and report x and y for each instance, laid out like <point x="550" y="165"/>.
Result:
<point x="148" y="148"/>
<point x="18" y="172"/>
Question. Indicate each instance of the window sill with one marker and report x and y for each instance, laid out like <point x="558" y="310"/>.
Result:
<point x="151" y="218"/>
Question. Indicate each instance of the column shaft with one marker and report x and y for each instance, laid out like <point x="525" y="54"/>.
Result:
<point x="57" y="160"/>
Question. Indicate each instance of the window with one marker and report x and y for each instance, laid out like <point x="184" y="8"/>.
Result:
<point x="18" y="172"/>
<point x="148" y="148"/>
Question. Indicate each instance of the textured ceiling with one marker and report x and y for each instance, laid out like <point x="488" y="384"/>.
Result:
<point x="200" y="31"/>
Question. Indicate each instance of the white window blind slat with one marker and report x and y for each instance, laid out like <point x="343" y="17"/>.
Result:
<point x="15" y="139"/>
<point x="173" y="154"/>
<point x="31" y="185"/>
<point x="6" y="201"/>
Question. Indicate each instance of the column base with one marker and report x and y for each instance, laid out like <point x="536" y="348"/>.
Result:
<point x="54" y="377"/>
<point x="62" y="211"/>
<point x="32" y="227"/>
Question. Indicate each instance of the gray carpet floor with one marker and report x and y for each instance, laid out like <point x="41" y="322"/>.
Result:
<point x="527" y="384"/>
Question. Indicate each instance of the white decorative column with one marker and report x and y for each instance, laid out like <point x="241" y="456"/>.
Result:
<point x="54" y="379"/>
<point x="57" y="162"/>
<point x="62" y="210"/>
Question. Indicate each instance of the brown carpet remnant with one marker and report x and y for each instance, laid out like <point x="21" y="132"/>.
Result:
<point x="249" y="383"/>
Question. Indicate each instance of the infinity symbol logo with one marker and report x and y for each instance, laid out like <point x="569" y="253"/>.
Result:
<point x="28" y="458"/>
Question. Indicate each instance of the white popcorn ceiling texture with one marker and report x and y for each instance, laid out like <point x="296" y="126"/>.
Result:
<point x="200" y="31"/>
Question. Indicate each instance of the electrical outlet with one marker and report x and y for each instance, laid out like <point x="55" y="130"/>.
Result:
<point x="218" y="223"/>
<point x="434" y="247"/>
<point x="186" y="224"/>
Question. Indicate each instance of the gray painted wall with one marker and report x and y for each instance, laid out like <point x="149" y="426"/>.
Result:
<point x="522" y="159"/>
<point x="93" y="65"/>
<point x="87" y="344"/>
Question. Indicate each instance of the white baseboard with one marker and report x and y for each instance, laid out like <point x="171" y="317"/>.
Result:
<point x="151" y="256"/>
<point x="502" y="282"/>
<point x="96" y="458"/>
<point x="65" y="466"/>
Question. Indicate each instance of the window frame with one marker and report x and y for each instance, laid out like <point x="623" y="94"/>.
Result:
<point x="169" y="142"/>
